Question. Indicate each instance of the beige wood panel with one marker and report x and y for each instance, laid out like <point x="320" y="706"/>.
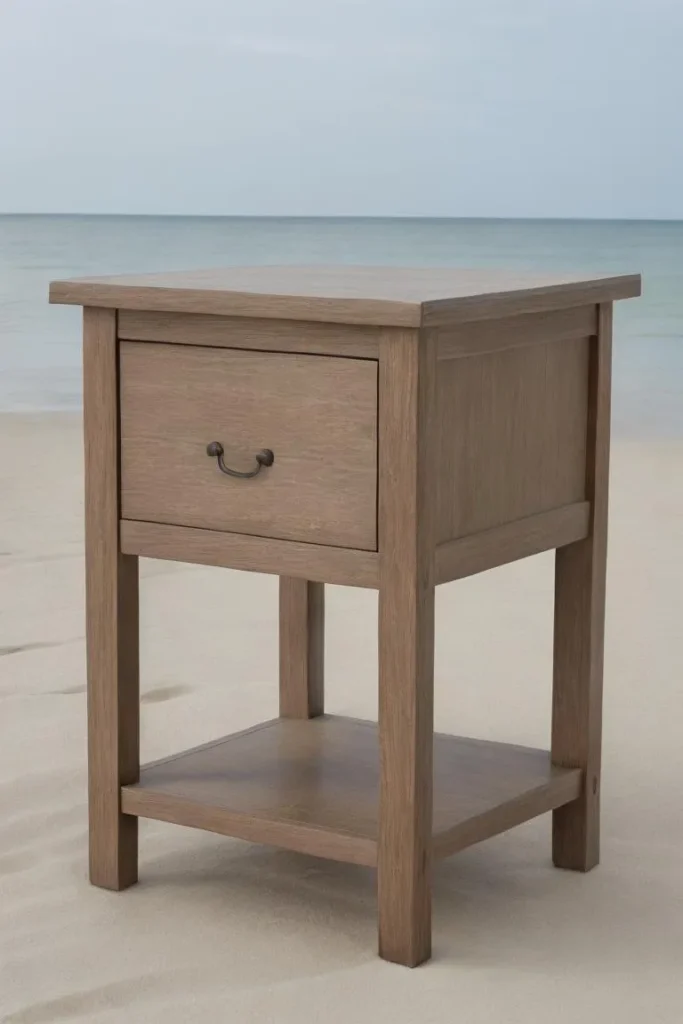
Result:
<point x="255" y="554"/>
<point x="111" y="587"/>
<point x="516" y="331"/>
<point x="250" y="332"/>
<point x="317" y="414"/>
<point x="312" y="786"/>
<point x="580" y="571"/>
<point x="385" y="296"/>
<point x="481" y="551"/>
<point x="540" y="788"/>
<point x="511" y="435"/>
<point x="302" y="648"/>
<point x="517" y="299"/>
<point x="407" y="476"/>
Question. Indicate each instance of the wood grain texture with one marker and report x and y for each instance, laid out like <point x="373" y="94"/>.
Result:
<point x="302" y="648"/>
<point x="533" y="787"/>
<point x="384" y="296"/>
<point x="111" y="619"/>
<point x="511" y="435"/>
<point x="483" y="336"/>
<point x="313" y="786"/>
<point x="515" y="299"/>
<point x="580" y="571"/>
<point x="255" y="554"/>
<point x="481" y="551"/>
<point x="407" y="474"/>
<point x="317" y="414"/>
<point x="251" y="333"/>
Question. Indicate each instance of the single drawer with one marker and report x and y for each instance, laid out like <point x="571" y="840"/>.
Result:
<point x="317" y="414"/>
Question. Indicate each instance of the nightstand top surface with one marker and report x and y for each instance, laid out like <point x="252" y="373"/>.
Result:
<point x="380" y="296"/>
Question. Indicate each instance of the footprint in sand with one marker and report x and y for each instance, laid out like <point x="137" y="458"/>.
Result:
<point x="162" y="693"/>
<point x="38" y="645"/>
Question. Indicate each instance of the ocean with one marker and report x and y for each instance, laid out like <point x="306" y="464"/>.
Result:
<point x="40" y="344"/>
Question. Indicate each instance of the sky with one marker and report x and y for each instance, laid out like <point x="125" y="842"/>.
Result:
<point x="480" y="108"/>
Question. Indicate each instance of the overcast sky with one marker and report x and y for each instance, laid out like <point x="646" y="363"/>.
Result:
<point x="568" y="108"/>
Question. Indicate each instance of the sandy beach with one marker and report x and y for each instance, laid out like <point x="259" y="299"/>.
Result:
<point x="218" y="930"/>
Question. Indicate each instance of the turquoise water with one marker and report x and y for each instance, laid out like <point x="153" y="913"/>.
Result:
<point x="40" y="344"/>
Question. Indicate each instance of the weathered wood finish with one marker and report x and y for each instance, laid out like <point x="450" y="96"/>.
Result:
<point x="251" y="333"/>
<point x="475" y="339"/>
<point x="381" y="296"/>
<point x="255" y="554"/>
<point x="313" y="786"/>
<point x="111" y="619"/>
<point x="481" y="551"/>
<point x="580" y="571"/>
<point x="426" y="424"/>
<point x="302" y="648"/>
<point x="317" y="414"/>
<point x="553" y="788"/>
<point x="511" y="435"/>
<point x="407" y="477"/>
<point x="346" y="567"/>
<point x="521" y="301"/>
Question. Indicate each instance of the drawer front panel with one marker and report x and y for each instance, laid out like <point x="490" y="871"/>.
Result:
<point x="318" y="415"/>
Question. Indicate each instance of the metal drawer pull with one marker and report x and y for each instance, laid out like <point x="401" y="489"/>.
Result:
<point x="263" y="458"/>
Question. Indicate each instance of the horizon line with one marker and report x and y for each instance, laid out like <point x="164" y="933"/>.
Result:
<point x="341" y="217"/>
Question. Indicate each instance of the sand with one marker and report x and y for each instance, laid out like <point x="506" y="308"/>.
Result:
<point x="218" y="930"/>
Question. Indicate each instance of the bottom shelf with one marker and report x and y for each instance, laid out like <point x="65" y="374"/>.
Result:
<point x="312" y="786"/>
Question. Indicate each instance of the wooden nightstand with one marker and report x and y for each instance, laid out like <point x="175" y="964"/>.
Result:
<point x="382" y="428"/>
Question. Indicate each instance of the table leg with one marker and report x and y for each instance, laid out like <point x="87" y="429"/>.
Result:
<point x="302" y="648"/>
<point x="111" y="619"/>
<point x="579" y="631"/>
<point x="406" y="647"/>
